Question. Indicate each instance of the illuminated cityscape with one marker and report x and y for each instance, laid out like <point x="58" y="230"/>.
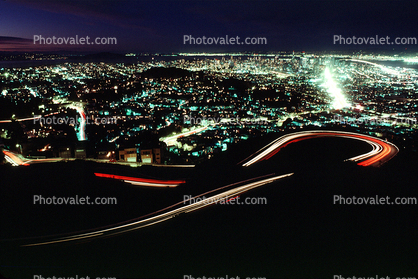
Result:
<point x="197" y="107"/>
<point x="198" y="139"/>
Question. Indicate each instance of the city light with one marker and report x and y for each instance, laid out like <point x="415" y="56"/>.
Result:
<point x="156" y="109"/>
<point x="338" y="99"/>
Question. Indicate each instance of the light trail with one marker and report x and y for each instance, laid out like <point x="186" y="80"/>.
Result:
<point x="18" y="160"/>
<point x="382" y="67"/>
<point x="118" y="229"/>
<point x="382" y="150"/>
<point x="143" y="181"/>
<point x="49" y="160"/>
<point x="170" y="141"/>
<point x="398" y="74"/>
<point x="22" y="119"/>
<point x="82" y="132"/>
<point x="14" y="159"/>
<point x="382" y="81"/>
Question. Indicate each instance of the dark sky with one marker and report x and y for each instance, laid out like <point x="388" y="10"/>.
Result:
<point x="159" y="26"/>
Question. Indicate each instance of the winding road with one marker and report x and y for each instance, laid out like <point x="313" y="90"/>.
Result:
<point x="381" y="152"/>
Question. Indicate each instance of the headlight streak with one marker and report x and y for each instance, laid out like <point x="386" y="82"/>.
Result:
<point x="381" y="149"/>
<point x="380" y="153"/>
<point x="164" y="216"/>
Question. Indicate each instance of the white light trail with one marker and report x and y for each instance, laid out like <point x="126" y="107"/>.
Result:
<point x="82" y="133"/>
<point x="382" y="67"/>
<point x="170" y="141"/>
<point x="117" y="229"/>
<point x="401" y="76"/>
<point x="381" y="149"/>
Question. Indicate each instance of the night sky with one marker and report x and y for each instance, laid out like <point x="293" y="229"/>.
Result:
<point x="159" y="26"/>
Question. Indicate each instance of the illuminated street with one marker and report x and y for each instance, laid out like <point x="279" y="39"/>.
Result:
<point x="208" y="139"/>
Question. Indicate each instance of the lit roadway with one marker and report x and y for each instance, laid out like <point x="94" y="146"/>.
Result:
<point x="80" y="110"/>
<point x="14" y="159"/>
<point x="401" y="76"/>
<point x="167" y="215"/>
<point x="381" y="152"/>
<point x="18" y="160"/>
<point x="143" y="181"/>
<point x="20" y="120"/>
<point x="170" y="141"/>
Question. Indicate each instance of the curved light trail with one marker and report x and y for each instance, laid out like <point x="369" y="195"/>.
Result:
<point x="228" y="194"/>
<point x="382" y="150"/>
<point x="82" y="132"/>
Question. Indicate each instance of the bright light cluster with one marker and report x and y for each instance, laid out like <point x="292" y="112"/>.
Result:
<point x="339" y="100"/>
